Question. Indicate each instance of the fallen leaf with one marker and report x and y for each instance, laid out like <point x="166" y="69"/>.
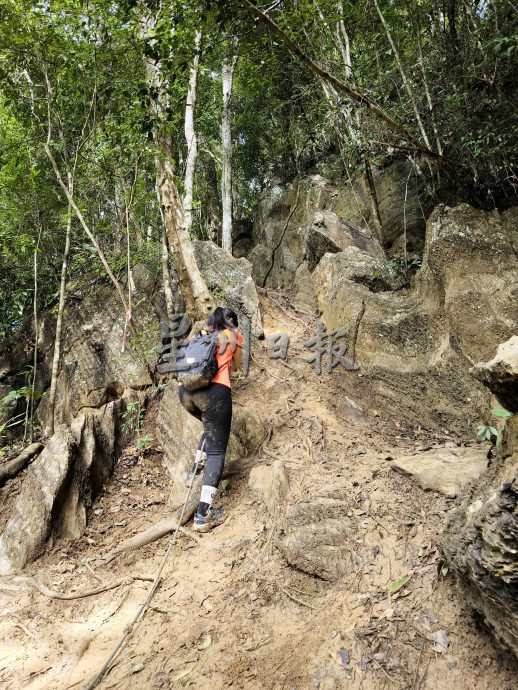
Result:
<point x="137" y="668"/>
<point x="396" y="585"/>
<point x="440" y="639"/>
<point x="205" y="643"/>
<point x="184" y="673"/>
<point x="223" y="484"/>
<point x="344" y="656"/>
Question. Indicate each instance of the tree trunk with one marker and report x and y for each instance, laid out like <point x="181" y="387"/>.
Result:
<point x="406" y="83"/>
<point x="198" y="301"/>
<point x="197" y="298"/>
<point x="166" y="279"/>
<point x="226" y="156"/>
<point x="59" y="320"/>
<point x="10" y="469"/>
<point x="190" y="137"/>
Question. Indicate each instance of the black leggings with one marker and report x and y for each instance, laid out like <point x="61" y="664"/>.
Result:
<point x="213" y="406"/>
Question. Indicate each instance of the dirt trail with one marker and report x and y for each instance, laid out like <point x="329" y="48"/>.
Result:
<point x="230" y="612"/>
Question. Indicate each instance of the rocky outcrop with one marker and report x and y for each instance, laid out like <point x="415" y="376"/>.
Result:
<point x="178" y="432"/>
<point x="270" y="483"/>
<point x="416" y="346"/>
<point x="446" y="470"/>
<point x="481" y="538"/>
<point x="60" y="485"/>
<point x="315" y="535"/>
<point x="500" y="374"/>
<point x="301" y="222"/>
<point x="230" y="281"/>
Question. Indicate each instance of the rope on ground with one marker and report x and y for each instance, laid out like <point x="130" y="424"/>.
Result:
<point x="94" y="682"/>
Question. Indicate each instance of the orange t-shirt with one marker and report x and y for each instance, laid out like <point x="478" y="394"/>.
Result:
<point x="229" y="345"/>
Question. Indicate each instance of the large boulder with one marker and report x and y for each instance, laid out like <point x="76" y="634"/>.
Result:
<point x="178" y="432"/>
<point x="316" y="535"/>
<point x="480" y="541"/>
<point x="230" y="281"/>
<point x="60" y="485"/>
<point x="95" y="369"/>
<point x="416" y="346"/>
<point x="302" y="221"/>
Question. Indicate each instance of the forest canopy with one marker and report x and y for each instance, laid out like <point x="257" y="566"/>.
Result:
<point x="99" y="83"/>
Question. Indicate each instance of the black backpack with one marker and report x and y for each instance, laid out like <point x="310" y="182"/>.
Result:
<point x="197" y="363"/>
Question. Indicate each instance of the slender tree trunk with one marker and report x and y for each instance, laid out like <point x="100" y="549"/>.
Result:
<point x="404" y="79"/>
<point x="425" y="84"/>
<point x="190" y="136"/>
<point x="166" y="279"/>
<point x="197" y="298"/>
<point x="227" y="72"/>
<point x="59" y="320"/>
<point x="30" y="406"/>
<point x="198" y="301"/>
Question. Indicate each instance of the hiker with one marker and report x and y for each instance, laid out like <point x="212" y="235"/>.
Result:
<point x="212" y="404"/>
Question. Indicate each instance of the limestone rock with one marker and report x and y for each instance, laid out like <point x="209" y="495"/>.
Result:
<point x="230" y="281"/>
<point x="29" y="524"/>
<point x="304" y="298"/>
<point x="446" y="470"/>
<point x="416" y="346"/>
<point x="270" y="484"/>
<point x="500" y="374"/>
<point x="316" y="215"/>
<point x="315" y="535"/>
<point x="60" y="485"/>
<point x="178" y="432"/>
<point x="480" y="542"/>
<point x="294" y="228"/>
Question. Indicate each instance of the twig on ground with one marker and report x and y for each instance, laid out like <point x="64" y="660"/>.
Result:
<point x="299" y="601"/>
<point x="52" y="594"/>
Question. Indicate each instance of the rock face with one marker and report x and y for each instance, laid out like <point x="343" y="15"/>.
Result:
<point x="59" y="486"/>
<point x="178" y="432"/>
<point x="446" y="470"/>
<point x="230" y="282"/>
<point x="480" y="541"/>
<point x="303" y="221"/>
<point x="93" y="369"/>
<point x="500" y="374"/>
<point x="416" y="346"/>
<point x="270" y="484"/>
<point x="315" y="536"/>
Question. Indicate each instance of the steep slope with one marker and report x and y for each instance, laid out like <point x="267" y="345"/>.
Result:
<point x="230" y="611"/>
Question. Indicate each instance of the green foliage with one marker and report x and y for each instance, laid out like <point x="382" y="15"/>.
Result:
<point x="489" y="433"/>
<point x="133" y="417"/>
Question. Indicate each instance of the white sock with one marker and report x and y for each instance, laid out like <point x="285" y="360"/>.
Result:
<point x="201" y="455"/>
<point x="207" y="494"/>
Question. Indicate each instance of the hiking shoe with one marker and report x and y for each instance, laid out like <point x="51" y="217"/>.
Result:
<point x="196" y="468"/>
<point x="204" y="523"/>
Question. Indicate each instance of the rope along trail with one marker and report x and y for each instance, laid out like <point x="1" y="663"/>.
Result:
<point x="94" y="682"/>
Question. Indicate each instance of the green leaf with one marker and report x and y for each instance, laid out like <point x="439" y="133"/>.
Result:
<point x="223" y="484"/>
<point x="137" y="668"/>
<point x="501" y="412"/>
<point x="396" y="585"/>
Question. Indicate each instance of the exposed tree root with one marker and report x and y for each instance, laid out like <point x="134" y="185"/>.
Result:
<point x="13" y="467"/>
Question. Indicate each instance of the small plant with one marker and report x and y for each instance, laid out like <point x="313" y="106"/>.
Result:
<point x="133" y="417"/>
<point x="489" y="433"/>
<point x="144" y="442"/>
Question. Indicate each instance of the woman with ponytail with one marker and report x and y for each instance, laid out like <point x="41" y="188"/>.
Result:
<point x="213" y="406"/>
